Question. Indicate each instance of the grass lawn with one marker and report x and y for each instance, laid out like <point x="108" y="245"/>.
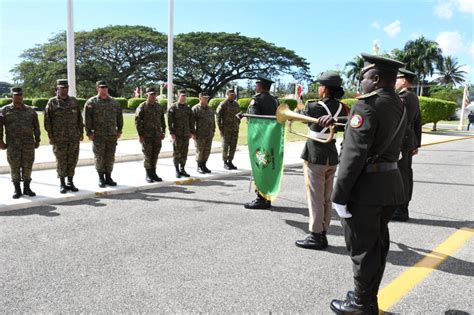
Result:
<point x="129" y="131"/>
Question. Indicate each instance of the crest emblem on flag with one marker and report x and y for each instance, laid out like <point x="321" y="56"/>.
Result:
<point x="262" y="158"/>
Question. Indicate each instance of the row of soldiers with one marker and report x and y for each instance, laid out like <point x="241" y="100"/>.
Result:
<point x="103" y="123"/>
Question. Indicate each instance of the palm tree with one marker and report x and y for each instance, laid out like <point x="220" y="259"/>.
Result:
<point x="355" y="68"/>
<point x="450" y="72"/>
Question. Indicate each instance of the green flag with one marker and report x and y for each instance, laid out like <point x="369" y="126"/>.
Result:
<point x="266" y="142"/>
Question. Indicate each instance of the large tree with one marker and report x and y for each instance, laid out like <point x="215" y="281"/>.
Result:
<point x="209" y="61"/>
<point x="354" y="69"/>
<point x="450" y="73"/>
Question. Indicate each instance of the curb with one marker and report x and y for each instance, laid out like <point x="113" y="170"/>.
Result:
<point x="449" y="140"/>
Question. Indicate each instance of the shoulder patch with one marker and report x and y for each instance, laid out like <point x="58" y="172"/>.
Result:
<point x="364" y="96"/>
<point x="356" y="121"/>
<point x="252" y="102"/>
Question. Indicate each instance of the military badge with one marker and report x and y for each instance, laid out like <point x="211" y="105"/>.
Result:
<point x="356" y="121"/>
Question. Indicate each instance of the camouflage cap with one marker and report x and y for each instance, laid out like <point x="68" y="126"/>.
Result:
<point x="182" y="92"/>
<point x="62" y="83"/>
<point x="101" y="83"/>
<point x="381" y="63"/>
<point x="404" y="73"/>
<point x="230" y="91"/>
<point x="330" y="78"/>
<point x="150" y="90"/>
<point x="204" y="94"/>
<point x="16" y="90"/>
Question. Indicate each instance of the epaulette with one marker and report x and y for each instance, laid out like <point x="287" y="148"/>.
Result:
<point x="256" y="95"/>
<point x="364" y="96"/>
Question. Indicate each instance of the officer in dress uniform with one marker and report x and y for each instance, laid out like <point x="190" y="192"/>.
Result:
<point x="263" y="103"/>
<point x="412" y="139"/>
<point x="369" y="185"/>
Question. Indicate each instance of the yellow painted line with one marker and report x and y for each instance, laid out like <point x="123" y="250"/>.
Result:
<point x="187" y="181"/>
<point x="449" y="140"/>
<point x="398" y="288"/>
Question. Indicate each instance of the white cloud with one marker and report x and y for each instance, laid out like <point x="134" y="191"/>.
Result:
<point x="444" y="10"/>
<point x="450" y="42"/>
<point x="466" y="6"/>
<point x="392" y="29"/>
<point x="376" y="24"/>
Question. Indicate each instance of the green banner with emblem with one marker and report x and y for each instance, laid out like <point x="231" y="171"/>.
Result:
<point x="266" y="143"/>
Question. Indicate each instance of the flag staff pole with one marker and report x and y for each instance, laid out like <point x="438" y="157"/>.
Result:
<point x="71" y="61"/>
<point x="170" y="52"/>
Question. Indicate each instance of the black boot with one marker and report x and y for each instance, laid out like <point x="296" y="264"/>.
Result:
<point x="200" y="168"/>
<point x="62" y="186"/>
<point x="101" y="179"/>
<point x="70" y="184"/>
<point x="325" y="239"/>
<point x="27" y="190"/>
<point x="178" y="172"/>
<point x="149" y="176"/>
<point x="205" y="168"/>
<point x="17" y="193"/>
<point x="351" y="306"/>
<point x="227" y="166"/>
<point x="156" y="178"/>
<point x="183" y="172"/>
<point x="312" y="241"/>
<point x="108" y="179"/>
<point x="351" y="296"/>
<point x="231" y="165"/>
<point x="258" y="203"/>
<point x="401" y="214"/>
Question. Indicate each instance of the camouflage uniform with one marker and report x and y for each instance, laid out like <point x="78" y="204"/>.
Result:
<point x="104" y="120"/>
<point x="150" y="124"/>
<point x="205" y="127"/>
<point x="229" y="127"/>
<point x="180" y="124"/>
<point x="63" y="122"/>
<point x="22" y="133"/>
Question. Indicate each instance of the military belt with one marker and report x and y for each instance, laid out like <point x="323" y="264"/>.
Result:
<point x="381" y="167"/>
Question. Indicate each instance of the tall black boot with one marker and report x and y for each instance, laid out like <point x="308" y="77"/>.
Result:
<point x="200" y="168"/>
<point x="205" y="168"/>
<point x="231" y="165"/>
<point x="226" y="165"/>
<point x="108" y="179"/>
<point x="149" y="176"/>
<point x="17" y="193"/>
<point x="182" y="171"/>
<point x="101" y="179"/>
<point x="156" y="178"/>
<point x="27" y="190"/>
<point x="70" y="184"/>
<point x="178" y="173"/>
<point x="62" y="186"/>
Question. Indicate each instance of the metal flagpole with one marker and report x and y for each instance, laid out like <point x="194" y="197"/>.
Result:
<point x="465" y="98"/>
<point x="71" y="59"/>
<point x="170" y="52"/>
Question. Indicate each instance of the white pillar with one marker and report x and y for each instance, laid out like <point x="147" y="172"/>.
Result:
<point x="71" y="59"/>
<point x="170" y="52"/>
<point x="465" y="97"/>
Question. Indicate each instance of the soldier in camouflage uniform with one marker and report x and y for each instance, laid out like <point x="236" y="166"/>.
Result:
<point x="104" y="122"/>
<point x="181" y="127"/>
<point x="22" y="138"/>
<point x="63" y="122"/>
<point x="151" y="128"/>
<point x="205" y="126"/>
<point x="228" y="124"/>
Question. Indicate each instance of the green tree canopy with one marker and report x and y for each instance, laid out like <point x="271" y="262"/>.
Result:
<point x="450" y="72"/>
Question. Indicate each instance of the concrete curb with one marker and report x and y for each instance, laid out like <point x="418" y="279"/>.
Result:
<point x="449" y="140"/>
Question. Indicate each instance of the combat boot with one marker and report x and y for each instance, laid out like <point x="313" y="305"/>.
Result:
<point x="231" y="165"/>
<point x="156" y="178"/>
<point x="200" y="168"/>
<point x="205" y="168"/>
<point x="70" y="184"/>
<point x="108" y="179"/>
<point x="17" y="193"/>
<point x="183" y="172"/>
<point x="258" y="203"/>
<point x="352" y="306"/>
<point x="149" y="176"/>
<point x="227" y="166"/>
<point x="312" y="241"/>
<point x="178" y="173"/>
<point x="101" y="179"/>
<point x="62" y="186"/>
<point x="27" y="190"/>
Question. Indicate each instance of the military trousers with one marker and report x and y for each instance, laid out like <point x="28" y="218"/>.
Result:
<point x="404" y="165"/>
<point x="180" y="150"/>
<point x="368" y="241"/>
<point x="203" y="148"/>
<point x="151" y="148"/>
<point x="104" y="153"/>
<point x="319" y="181"/>
<point x="229" y="144"/>
<point x="67" y="155"/>
<point x="21" y="158"/>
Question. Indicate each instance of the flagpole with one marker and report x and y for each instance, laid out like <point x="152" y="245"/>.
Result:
<point x="463" y="105"/>
<point x="71" y="61"/>
<point x="170" y="52"/>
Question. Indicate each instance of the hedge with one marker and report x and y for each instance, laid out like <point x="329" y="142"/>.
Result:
<point x="5" y="101"/>
<point x="123" y="102"/>
<point x="215" y="102"/>
<point x="134" y="102"/>
<point x="81" y="102"/>
<point x="244" y="103"/>
<point x="28" y="101"/>
<point x="291" y="102"/>
<point x="349" y="101"/>
<point x="192" y="100"/>
<point x="40" y="103"/>
<point x="433" y="110"/>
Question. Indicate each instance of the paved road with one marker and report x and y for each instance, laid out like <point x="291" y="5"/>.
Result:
<point x="194" y="248"/>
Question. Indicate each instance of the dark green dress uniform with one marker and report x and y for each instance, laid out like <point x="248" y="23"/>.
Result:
<point x="180" y="124"/>
<point x="370" y="184"/>
<point x="228" y="124"/>
<point x="205" y="127"/>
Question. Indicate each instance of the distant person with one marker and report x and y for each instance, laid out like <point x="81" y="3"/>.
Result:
<point x="64" y="125"/>
<point x="228" y="124"/>
<point x="22" y="132"/>
<point x="151" y="128"/>
<point x="412" y="139"/>
<point x="104" y="123"/>
<point x="470" y="116"/>
<point x="181" y="127"/>
<point x="205" y="127"/>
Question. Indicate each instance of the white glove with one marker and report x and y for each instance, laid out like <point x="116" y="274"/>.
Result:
<point x="342" y="210"/>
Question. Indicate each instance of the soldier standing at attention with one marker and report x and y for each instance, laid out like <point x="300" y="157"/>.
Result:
<point x="22" y="138"/>
<point x="369" y="184"/>
<point x="63" y="122"/>
<point x="181" y="127"/>
<point x="412" y="139"/>
<point x="228" y="125"/>
<point x="104" y="122"/>
<point x="263" y="103"/>
<point x="151" y="128"/>
<point x="205" y="126"/>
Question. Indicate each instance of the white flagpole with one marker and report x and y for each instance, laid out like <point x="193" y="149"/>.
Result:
<point x="170" y="52"/>
<point x="71" y="60"/>
<point x="463" y="105"/>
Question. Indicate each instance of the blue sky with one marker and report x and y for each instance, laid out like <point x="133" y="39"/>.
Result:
<point x="326" y="33"/>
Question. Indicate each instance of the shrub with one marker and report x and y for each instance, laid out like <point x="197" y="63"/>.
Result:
<point x="291" y="102"/>
<point x="164" y="103"/>
<point x="122" y="102"/>
<point x="81" y="102"/>
<point x="244" y="103"/>
<point x="5" y="101"/>
<point x="192" y="100"/>
<point x="215" y="102"/>
<point x="40" y="103"/>
<point x="349" y="101"/>
<point x="28" y="101"/>
<point x="434" y="110"/>
<point x="134" y="102"/>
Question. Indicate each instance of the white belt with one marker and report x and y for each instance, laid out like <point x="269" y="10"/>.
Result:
<point x="319" y="135"/>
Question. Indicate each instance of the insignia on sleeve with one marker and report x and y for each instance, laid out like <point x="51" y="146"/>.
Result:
<point x="252" y="102"/>
<point x="356" y="121"/>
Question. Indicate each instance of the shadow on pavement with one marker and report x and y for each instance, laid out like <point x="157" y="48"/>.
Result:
<point x="46" y="211"/>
